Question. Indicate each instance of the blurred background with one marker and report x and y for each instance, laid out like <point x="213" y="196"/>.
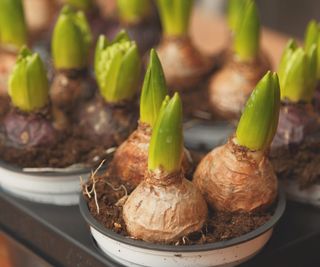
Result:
<point x="287" y="16"/>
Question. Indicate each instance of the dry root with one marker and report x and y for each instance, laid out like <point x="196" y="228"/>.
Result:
<point x="93" y="188"/>
<point x="93" y="193"/>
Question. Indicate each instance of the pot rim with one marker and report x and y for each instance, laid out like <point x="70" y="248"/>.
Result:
<point x="281" y="204"/>
<point x="14" y="168"/>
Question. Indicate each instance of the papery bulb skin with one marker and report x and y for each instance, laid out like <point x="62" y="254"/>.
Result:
<point x="230" y="88"/>
<point x="234" y="179"/>
<point x="183" y="64"/>
<point x="164" y="209"/>
<point x="130" y="161"/>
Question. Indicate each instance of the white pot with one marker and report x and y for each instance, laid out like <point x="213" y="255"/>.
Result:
<point x="228" y="253"/>
<point x="48" y="187"/>
<point x="310" y="195"/>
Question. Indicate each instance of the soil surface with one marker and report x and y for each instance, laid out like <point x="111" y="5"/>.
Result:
<point x="71" y="148"/>
<point x="298" y="161"/>
<point x="111" y="195"/>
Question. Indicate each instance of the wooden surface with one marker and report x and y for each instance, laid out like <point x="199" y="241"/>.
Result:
<point x="210" y="34"/>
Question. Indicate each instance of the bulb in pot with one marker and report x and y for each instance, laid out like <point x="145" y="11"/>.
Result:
<point x="111" y="116"/>
<point x="245" y="64"/>
<point x="13" y="35"/>
<point x="184" y="66"/>
<point x="312" y="37"/>
<point x="165" y="206"/>
<point x="294" y="149"/>
<point x="130" y="161"/>
<point x="139" y="18"/>
<point x="237" y="176"/>
<point x="28" y="123"/>
<point x="71" y="40"/>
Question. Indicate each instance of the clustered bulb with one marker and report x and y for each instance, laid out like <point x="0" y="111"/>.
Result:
<point x="28" y="125"/>
<point x="184" y="66"/>
<point x="165" y="206"/>
<point x="237" y="176"/>
<point x="244" y="62"/>
<point x="299" y="120"/>
<point x="135" y="148"/>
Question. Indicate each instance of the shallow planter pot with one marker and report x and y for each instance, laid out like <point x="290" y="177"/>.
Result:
<point x="310" y="195"/>
<point x="130" y="252"/>
<point x="60" y="187"/>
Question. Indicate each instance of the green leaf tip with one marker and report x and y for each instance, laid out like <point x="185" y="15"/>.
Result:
<point x="175" y="16"/>
<point x="117" y="68"/>
<point x="154" y="90"/>
<point x="234" y="12"/>
<point x="28" y="82"/>
<point x="259" y="121"/>
<point x="247" y="34"/>
<point x="311" y="34"/>
<point x="166" y="144"/>
<point x="84" y="5"/>
<point x="312" y="37"/>
<point x="13" y="29"/>
<point x="298" y="73"/>
<point x="134" y="11"/>
<point x="71" y="40"/>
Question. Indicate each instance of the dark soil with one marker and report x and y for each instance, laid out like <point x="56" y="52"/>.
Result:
<point x="220" y="225"/>
<point x="295" y="150"/>
<point x="4" y="105"/>
<point x="70" y="148"/>
<point x="298" y="161"/>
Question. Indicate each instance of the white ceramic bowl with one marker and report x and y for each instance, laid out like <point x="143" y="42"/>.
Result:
<point x="228" y="253"/>
<point x="45" y="187"/>
<point x="310" y="195"/>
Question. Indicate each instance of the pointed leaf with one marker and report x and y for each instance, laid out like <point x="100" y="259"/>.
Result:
<point x="134" y="11"/>
<point x="247" y="33"/>
<point x="259" y="120"/>
<point x="175" y="16"/>
<point x="154" y="90"/>
<point x="13" y="30"/>
<point x="28" y="83"/>
<point x="71" y="40"/>
<point x="166" y="145"/>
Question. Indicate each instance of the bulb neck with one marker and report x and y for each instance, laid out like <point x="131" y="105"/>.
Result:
<point x="160" y="177"/>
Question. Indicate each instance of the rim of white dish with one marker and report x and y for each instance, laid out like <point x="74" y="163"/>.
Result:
<point x="14" y="168"/>
<point x="279" y="210"/>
